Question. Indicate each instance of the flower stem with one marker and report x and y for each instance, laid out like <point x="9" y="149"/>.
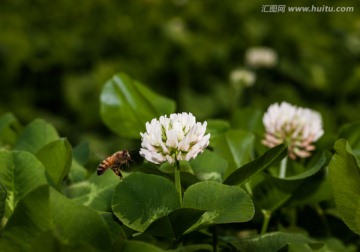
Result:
<point x="267" y="216"/>
<point x="177" y="180"/>
<point x="322" y="216"/>
<point x="283" y="166"/>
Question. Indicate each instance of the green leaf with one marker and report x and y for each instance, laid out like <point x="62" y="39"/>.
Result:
<point x="10" y="129"/>
<point x="74" y="224"/>
<point x="81" y="152"/>
<point x="115" y="229"/>
<point x="136" y="246"/>
<point x="30" y="219"/>
<point x="209" y="166"/>
<point x="315" y="186"/>
<point x="248" y="119"/>
<point x="77" y="172"/>
<point x="236" y="147"/>
<point x="270" y="192"/>
<point x="216" y="128"/>
<point x="176" y="223"/>
<point x="56" y="156"/>
<point x="345" y="179"/>
<point x="140" y="199"/>
<point x="45" y="213"/>
<point x="193" y="248"/>
<point x="2" y="206"/>
<point x="274" y="242"/>
<point x="20" y="173"/>
<point x="323" y="160"/>
<point x="246" y="172"/>
<point x="351" y="133"/>
<point x="329" y="244"/>
<point x="314" y="190"/>
<point x="96" y="192"/>
<point x="166" y="170"/>
<point x="126" y="105"/>
<point x="35" y="136"/>
<point x="223" y="203"/>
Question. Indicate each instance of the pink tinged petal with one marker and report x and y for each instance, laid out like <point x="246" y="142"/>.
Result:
<point x="310" y="148"/>
<point x="292" y="155"/>
<point x="269" y="144"/>
<point x="301" y="153"/>
<point x="273" y="139"/>
<point x="305" y="142"/>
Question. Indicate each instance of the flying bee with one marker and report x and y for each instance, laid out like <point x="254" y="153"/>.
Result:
<point x="115" y="161"/>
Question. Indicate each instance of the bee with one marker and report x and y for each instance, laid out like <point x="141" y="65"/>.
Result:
<point x="115" y="161"/>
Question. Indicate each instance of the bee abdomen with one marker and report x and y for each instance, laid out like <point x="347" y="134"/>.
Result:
<point x="103" y="167"/>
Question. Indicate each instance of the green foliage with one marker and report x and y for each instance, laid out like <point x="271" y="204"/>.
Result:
<point x="30" y="219"/>
<point x="131" y="103"/>
<point x="95" y="192"/>
<point x="10" y="129"/>
<point x="56" y="156"/>
<point x="351" y="133"/>
<point x="132" y="246"/>
<point x="2" y="204"/>
<point x="209" y="166"/>
<point x="269" y="158"/>
<point x="36" y="135"/>
<point x="52" y="199"/>
<point x="223" y="203"/>
<point x="142" y="198"/>
<point x="78" y="225"/>
<point x="275" y="241"/>
<point x="345" y="179"/>
<point x="55" y="57"/>
<point x="235" y="146"/>
<point x="20" y="173"/>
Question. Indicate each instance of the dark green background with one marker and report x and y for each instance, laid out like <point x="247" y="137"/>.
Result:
<point x="56" y="55"/>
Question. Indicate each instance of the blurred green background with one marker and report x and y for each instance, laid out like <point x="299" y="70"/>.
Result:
<point x="55" y="57"/>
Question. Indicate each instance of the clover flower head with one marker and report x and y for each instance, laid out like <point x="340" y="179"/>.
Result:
<point x="297" y="127"/>
<point x="260" y="57"/>
<point x="243" y="77"/>
<point x="177" y="137"/>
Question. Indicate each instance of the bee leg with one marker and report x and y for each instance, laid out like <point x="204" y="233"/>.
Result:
<point x="117" y="171"/>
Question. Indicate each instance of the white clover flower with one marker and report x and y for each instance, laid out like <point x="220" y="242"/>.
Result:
<point x="243" y="77"/>
<point x="297" y="127"/>
<point x="178" y="137"/>
<point x="260" y="57"/>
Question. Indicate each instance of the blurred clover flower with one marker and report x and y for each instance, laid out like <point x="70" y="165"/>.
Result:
<point x="174" y="138"/>
<point x="295" y="126"/>
<point x="242" y="77"/>
<point x="260" y="57"/>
